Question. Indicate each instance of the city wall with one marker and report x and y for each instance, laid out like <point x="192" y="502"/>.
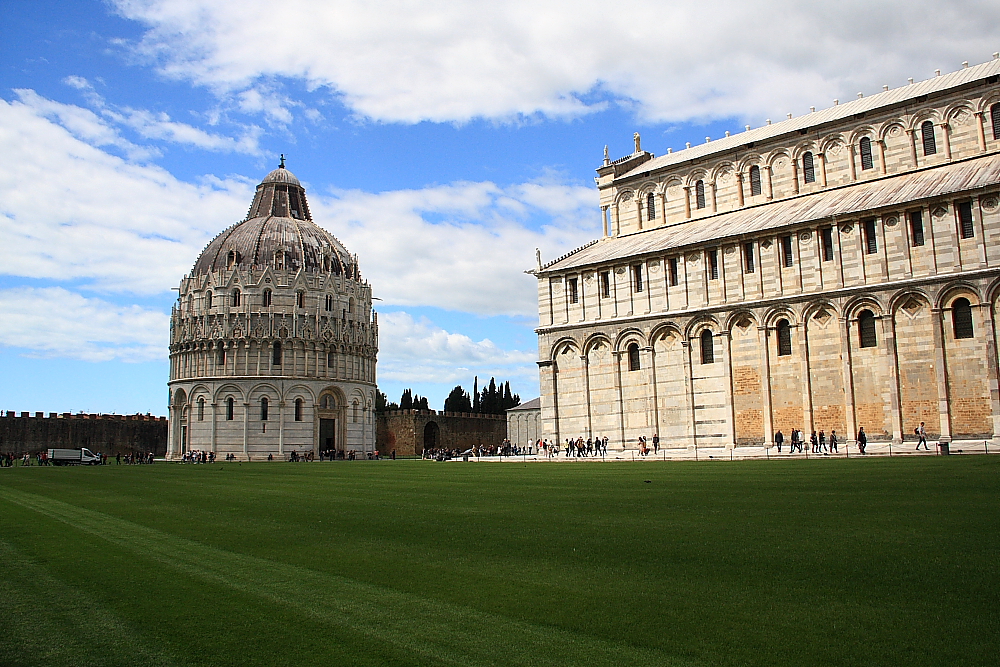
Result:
<point x="410" y="432"/>
<point x="107" y="434"/>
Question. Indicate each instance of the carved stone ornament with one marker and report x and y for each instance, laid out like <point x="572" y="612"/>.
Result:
<point x="730" y="250"/>
<point x="267" y="280"/>
<point x="895" y="131"/>
<point x="940" y="212"/>
<point x="654" y="264"/>
<point x="805" y="237"/>
<point x="620" y="270"/>
<point x="693" y="257"/>
<point x="890" y="221"/>
<point x="627" y="195"/>
<point x="990" y="203"/>
<point x="766" y="244"/>
<point x="846" y="229"/>
<point x="822" y="316"/>
<point x="912" y="307"/>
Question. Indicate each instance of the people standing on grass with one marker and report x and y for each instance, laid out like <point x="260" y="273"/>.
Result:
<point x="862" y="439"/>
<point x="921" y="437"/>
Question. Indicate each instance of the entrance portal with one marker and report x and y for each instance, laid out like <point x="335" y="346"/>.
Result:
<point x="327" y="434"/>
<point x="432" y="433"/>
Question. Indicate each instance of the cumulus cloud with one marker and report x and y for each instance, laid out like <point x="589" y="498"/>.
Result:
<point x="454" y="61"/>
<point x="461" y="246"/>
<point x="55" y="322"/>
<point x="71" y="211"/>
<point x="417" y="348"/>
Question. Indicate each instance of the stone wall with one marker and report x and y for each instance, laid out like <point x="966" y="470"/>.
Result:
<point x="107" y="434"/>
<point x="409" y="432"/>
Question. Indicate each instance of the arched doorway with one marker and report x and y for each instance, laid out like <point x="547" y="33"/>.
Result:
<point x="432" y="435"/>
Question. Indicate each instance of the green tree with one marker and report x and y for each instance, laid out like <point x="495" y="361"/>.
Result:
<point x="458" y="401"/>
<point x="406" y="400"/>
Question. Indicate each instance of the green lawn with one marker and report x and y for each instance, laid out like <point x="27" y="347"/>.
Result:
<point x="830" y="562"/>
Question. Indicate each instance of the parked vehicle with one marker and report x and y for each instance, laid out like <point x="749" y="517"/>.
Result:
<point x="69" y="457"/>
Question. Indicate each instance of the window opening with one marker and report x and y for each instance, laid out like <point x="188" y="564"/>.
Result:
<point x="784" y="338"/>
<point x="866" y="153"/>
<point x="699" y="194"/>
<point x="961" y="318"/>
<point x="329" y="302"/>
<point x="650" y="207"/>
<point x="827" y="234"/>
<point x="755" y="180"/>
<point x="786" y="251"/>
<point x="300" y="299"/>
<point x="236" y="297"/>
<point x="871" y="240"/>
<point x="965" y="219"/>
<point x="673" y="272"/>
<point x="866" y="328"/>
<point x="916" y="228"/>
<point x="267" y="298"/>
<point x="748" y="265"/>
<point x="808" y="168"/>
<point x="263" y="409"/>
<point x="230" y="408"/>
<point x="605" y="284"/>
<point x="633" y="357"/>
<point x="927" y="136"/>
<point x="222" y="357"/>
<point x="201" y="409"/>
<point x="995" y="120"/>
<point x="276" y="354"/>
<point x="574" y="290"/>
<point x="330" y="360"/>
<point x="707" y="347"/>
<point x="231" y="259"/>
<point x="208" y="299"/>
<point x="713" y="264"/>
<point x="637" y="276"/>
<point x="298" y="409"/>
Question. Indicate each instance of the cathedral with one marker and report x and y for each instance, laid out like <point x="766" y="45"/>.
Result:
<point x="273" y="341"/>
<point x="838" y="270"/>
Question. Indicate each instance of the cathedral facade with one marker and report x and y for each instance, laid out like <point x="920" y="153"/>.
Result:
<point x="834" y="271"/>
<point x="273" y="341"/>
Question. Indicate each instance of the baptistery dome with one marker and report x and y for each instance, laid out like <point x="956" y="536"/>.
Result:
<point x="273" y="340"/>
<point x="278" y="231"/>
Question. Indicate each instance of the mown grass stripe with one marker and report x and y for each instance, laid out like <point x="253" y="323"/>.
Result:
<point x="448" y="633"/>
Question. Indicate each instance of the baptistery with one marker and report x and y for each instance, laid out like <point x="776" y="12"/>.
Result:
<point x="273" y="341"/>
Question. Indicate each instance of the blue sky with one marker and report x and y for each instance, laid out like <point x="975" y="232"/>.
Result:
<point x="440" y="141"/>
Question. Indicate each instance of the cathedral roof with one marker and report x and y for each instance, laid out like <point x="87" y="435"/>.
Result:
<point x="896" y="96"/>
<point x="278" y="232"/>
<point x="825" y="206"/>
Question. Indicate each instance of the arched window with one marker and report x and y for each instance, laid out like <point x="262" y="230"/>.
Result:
<point x="230" y="408"/>
<point x="279" y="260"/>
<point x="236" y="297"/>
<point x="201" y="409"/>
<point x="866" y="328"/>
<point x="263" y="409"/>
<point x="866" y="153"/>
<point x="650" y="207"/>
<point x="961" y="318"/>
<point x="927" y="136"/>
<point x="995" y="120"/>
<point x="755" y="188"/>
<point x="784" y="338"/>
<point x="633" y="357"/>
<point x="808" y="168"/>
<point x="350" y="305"/>
<point x="354" y="412"/>
<point x="222" y="357"/>
<point x="266" y="298"/>
<point x="707" y="347"/>
<point x="231" y="259"/>
<point x="208" y="299"/>
<point x="699" y="194"/>
<point x="329" y="302"/>
<point x="276" y="354"/>
<point x="300" y="299"/>
<point x="298" y="409"/>
<point x="331" y="360"/>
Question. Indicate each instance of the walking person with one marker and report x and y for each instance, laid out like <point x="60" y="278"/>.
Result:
<point x="779" y="438"/>
<point x="921" y="437"/>
<point x="833" y="441"/>
<point x="822" y="441"/>
<point x="862" y="439"/>
<point x="814" y="442"/>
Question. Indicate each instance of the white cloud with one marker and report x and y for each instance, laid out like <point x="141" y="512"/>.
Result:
<point x="462" y="246"/>
<point x="70" y="211"/>
<point x="453" y="61"/>
<point x="412" y="348"/>
<point x="55" y="322"/>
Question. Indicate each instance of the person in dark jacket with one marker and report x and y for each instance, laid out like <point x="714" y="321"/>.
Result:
<point x="862" y="439"/>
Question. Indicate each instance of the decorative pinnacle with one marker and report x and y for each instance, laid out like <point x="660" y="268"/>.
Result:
<point x="282" y="165"/>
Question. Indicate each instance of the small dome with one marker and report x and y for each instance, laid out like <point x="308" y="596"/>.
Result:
<point x="281" y="175"/>
<point x="278" y="232"/>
